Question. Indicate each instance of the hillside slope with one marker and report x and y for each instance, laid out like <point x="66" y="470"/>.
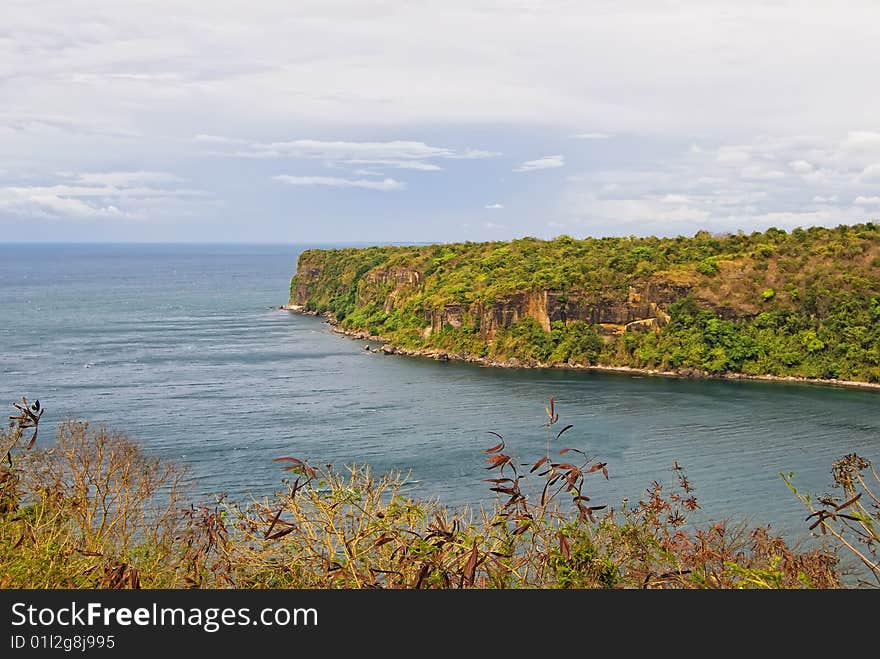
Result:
<point x="805" y="303"/>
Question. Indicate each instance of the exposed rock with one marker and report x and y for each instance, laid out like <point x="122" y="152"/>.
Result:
<point x="304" y="283"/>
<point x="378" y="282"/>
<point x="642" y="309"/>
<point x="397" y="275"/>
<point x="643" y="325"/>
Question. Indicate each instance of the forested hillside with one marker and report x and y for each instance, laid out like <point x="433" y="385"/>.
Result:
<point x="804" y="303"/>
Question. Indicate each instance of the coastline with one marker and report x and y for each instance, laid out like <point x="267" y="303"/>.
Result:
<point x="437" y="354"/>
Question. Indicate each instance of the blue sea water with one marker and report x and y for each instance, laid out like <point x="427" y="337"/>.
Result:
<point x="182" y="347"/>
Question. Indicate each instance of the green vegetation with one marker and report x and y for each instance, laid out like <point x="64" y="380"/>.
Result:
<point x="804" y="303"/>
<point x="94" y="512"/>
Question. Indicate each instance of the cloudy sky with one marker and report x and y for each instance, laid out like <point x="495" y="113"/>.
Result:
<point x="352" y="120"/>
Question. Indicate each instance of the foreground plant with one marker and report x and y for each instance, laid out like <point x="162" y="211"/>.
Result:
<point x="94" y="511"/>
<point x="543" y="531"/>
<point x="854" y="518"/>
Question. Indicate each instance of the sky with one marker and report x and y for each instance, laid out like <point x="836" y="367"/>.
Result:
<point x="356" y="121"/>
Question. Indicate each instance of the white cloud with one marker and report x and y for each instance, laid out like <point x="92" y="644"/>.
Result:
<point x="547" y="162"/>
<point x="633" y="66"/>
<point x="685" y="214"/>
<point x="593" y="136"/>
<point x="33" y="124"/>
<point x="800" y="166"/>
<point x="337" y="150"/>
<point x="43" y="203"/>
<point x="732" y="155"/>
<point x="90" y="195"/>
<point x="640" y="210"/>
<point x="675" y="199"/>
<point x="384" y="185"/>
<point x="218" y="139"/>
<point x="419" y="165"/>
<point x="825" y="177"/>
<point x="474" y="154"/>
<point x="862" y="141"/>
<point x="699" y="189"/>
<point x="123" y="179"/>
<point x="406" y="86"/>
<point x="870" y="173"/>
<point x="397" y="153"/>
<point x="494" y="206"/>
<point x="494" y="225"/>
<point x="758" y="172"/>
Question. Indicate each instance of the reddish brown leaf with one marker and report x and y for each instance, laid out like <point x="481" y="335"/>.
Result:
<point x="522" y="528"/>
<point x="423" y="572"/>
<point x="563" y="545"/>
<point x="274" y="522"/>
<point x="281" y="533"/>
<point x="846" y="504"/>
<point x="382" y="539"/>
<point x="544" y="492"/>
<point x="538" y="464"/>
<point x="295" y="488"/>
<point x="504" y="490"/>
<point x="497" y="447"/>
<point x="568" y="427"/>
<point x="470" y="568"/>
<point x="31" y="443"/>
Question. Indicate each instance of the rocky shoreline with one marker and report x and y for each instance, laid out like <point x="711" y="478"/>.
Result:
<point x="388" y="348"/>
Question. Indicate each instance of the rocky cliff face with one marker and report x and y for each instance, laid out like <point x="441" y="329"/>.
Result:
<point x="642" y="307"/>
<point x="308" y="274"/>
<point x="392" y="283"/>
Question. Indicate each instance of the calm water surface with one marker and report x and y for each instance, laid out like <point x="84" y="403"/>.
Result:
<point x="180" y="347"/>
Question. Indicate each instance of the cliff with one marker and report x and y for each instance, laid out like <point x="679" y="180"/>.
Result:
<point x="761" y="303"/>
